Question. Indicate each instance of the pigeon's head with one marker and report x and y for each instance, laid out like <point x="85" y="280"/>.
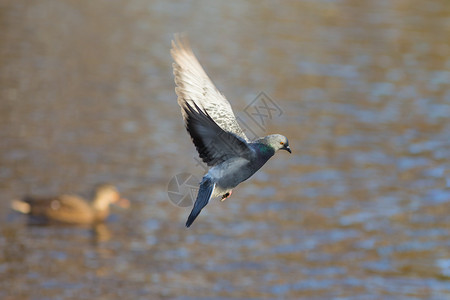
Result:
<point x="277" y="142"/>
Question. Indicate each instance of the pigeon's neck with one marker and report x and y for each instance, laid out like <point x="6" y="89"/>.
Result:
<point x="264" y="151"/>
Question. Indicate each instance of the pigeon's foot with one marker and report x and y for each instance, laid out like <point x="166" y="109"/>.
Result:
<point x="226" y="195"/>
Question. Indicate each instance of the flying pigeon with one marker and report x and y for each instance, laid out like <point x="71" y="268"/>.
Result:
<point x="220" y="141"/>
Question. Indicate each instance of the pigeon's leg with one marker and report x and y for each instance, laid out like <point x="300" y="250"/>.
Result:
<point x="226" y="195"/>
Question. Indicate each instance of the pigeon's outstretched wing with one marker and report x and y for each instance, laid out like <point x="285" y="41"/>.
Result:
<point x="195" y="87"/>
<point x="214" y="145"/>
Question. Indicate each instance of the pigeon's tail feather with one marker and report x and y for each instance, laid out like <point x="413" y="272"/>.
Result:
<point x="204" y="194"/>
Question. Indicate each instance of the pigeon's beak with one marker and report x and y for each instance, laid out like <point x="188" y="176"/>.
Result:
<point x="287" y="148"/>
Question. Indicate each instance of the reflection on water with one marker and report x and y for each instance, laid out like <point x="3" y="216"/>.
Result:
<point x="359" y="210"/>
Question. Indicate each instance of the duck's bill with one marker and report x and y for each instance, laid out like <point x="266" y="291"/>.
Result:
<point x="123" y="203"/>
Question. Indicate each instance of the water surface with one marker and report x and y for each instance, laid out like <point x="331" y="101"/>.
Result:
<point x="360" y="210"/>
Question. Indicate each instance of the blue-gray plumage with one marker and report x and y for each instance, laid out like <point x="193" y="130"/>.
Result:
<point x="218" y="138"/>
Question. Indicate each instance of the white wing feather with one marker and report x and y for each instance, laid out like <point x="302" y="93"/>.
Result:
<point x="194" y="86"/>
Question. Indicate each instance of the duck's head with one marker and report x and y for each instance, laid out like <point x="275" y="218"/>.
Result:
<point x="106" y="194"/>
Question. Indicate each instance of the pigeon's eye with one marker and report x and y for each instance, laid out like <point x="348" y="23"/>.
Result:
<point x="281" y="143"/>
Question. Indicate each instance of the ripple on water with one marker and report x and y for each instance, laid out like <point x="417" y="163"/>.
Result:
<point x="444" y="266"/>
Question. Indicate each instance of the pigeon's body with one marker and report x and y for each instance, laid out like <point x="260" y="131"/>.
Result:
<point x="230" y="173"/>
<point x="220" y="141"/>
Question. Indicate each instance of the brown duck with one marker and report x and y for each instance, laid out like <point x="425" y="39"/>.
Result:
<point x="71" y="209"/>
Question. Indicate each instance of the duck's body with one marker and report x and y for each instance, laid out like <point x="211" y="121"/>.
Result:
<point x="70" y="209"/>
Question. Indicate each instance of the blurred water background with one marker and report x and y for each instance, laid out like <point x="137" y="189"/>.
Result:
<point x="360" y="210"/>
